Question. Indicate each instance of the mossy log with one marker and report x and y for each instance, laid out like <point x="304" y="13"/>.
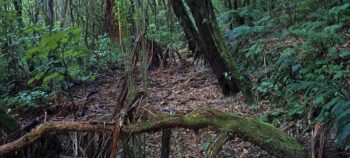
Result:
<point x="228" y="126"/>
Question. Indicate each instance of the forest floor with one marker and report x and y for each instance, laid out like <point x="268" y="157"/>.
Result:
<point x="179" y="88"/>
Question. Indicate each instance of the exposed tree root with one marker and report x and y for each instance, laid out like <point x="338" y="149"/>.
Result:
<point x="227" y="125"/>
<point x="216" y="146"/>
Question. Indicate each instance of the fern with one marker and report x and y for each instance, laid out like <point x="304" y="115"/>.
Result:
<point x="339" y="10"/>
<point x="312" y="72"/>
<point x="244" y="32"/>
<point x="313" y="25"/>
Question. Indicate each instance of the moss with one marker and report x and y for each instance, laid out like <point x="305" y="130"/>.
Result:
<point x="265" y="135"/>
<point x="141" y="126"/>
<point x="262" y="134"/>
<point x="196" y="117"/>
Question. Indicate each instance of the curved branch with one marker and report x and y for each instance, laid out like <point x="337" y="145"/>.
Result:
<point x="264" y="135"/>
<point x="216" y="146"/>
<point x="46" y="128"/>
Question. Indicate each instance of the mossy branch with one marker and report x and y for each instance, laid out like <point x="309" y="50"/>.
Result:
<point x="264" y="135"/>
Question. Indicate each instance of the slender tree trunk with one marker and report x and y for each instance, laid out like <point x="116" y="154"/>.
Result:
<point x="110" y="22"/>
<point x="50" y="19"/>
<point x="131" y="18"/>
<point x="189" y="29"/>
<point x="64" y="13"/>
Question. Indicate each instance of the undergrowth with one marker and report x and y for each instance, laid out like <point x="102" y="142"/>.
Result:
<point x="299" y="60"/>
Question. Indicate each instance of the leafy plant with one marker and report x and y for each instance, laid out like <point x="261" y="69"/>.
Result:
<point x="207" y="143"/>
<point x="26" y="100"/>
<point x="307" y="67"/>
<point x="57" y="57"/>
<point x="105" y="56"/>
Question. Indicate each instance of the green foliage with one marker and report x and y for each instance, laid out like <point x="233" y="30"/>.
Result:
<point x="159" y="34"/>
<point x="160" y="31"/>
<point x="207" y="143"/>
<point x="307" y="67"/>
<point x="57" y="55"/>
<point x="8" y="41"/>
<point x="105" y="56"/>
<point x="26" y="100"/>
<point x="245" y="32"/>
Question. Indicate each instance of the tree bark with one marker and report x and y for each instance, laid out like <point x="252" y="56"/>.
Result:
<point x="165" y="149"/>
<point x="207" y="35"/>
<point x="50" y="14"/>
<point x="110" y="22"/>
<point x="189" y="29"/>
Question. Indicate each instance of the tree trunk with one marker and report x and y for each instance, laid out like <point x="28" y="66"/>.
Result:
<point x="110" y="22"/>
<point x="208" y="37"/>
<point x="191" y="33"/>
<point x="50" y="13"/>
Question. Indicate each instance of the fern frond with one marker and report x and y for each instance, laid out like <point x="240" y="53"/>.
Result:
<point x="244" y="32"/>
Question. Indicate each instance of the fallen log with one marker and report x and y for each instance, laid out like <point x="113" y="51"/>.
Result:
<point x="228" y="126"/>
<point x="262" y="134"/>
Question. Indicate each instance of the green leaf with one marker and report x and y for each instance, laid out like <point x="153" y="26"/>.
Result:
<point x="47" y="79"/>
<point x="206" y="145"/>
<point x="263" y="118"/>
<point x="344" y="53"/>
<point x="43" y="55"/>
<point x="332" y="50"/>
<point x="36" y="77"/>
<point x="262" y="89"/>
<point x="343" y="133"/>
<point x="338" y="75"/>
<point x="343" y="118"/>
<point x="318" y="100"/>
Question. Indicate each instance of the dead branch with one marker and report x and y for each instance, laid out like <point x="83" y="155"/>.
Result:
<point x="264" y="135"/>
<point x="46" y="128"/>
<point x="115" y="138"/>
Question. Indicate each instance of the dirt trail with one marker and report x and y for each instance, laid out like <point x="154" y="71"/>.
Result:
<point x="179" y="89"/>
<point x="183" y="89"/>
